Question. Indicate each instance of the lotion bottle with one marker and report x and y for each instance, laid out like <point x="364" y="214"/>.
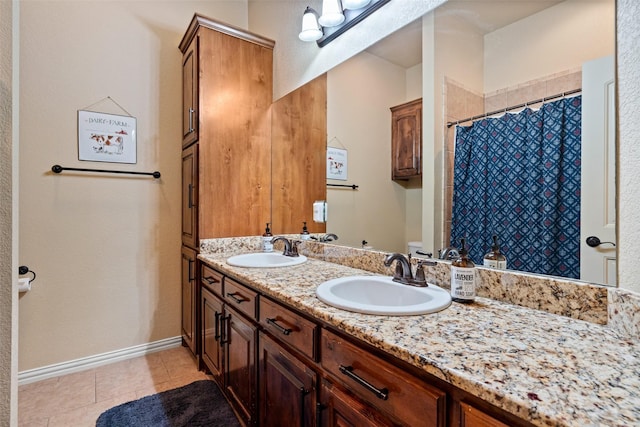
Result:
<point x="495" y="258"/>
<point x="267" y="246"/>
<point x="463" y="277"/>
<point x="304" y="235"/>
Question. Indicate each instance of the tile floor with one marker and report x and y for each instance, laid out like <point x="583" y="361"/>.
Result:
<point x="78" y="399"/>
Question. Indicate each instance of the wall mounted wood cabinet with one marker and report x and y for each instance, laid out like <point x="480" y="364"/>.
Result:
<point x="227" y="96"/>
<point x="406" y="140"/>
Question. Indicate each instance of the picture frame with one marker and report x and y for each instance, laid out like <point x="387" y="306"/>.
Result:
<point x="106" y="137"/>
<point x="337" y="163"/>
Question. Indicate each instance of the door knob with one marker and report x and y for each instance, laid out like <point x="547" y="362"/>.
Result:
<point x="593" y="241"/>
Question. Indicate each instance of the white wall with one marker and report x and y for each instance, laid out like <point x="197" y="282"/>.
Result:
<point x="359" y="95"/>
<point x="106" y="249"/>
<point x="297" y="62"/>
<point x="628" y="58"/>
<point x="559" y="38"/>
<point x="9" y="13"/>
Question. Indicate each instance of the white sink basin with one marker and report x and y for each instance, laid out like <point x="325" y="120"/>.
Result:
<point x="381" y="295"/>
<point x="265" y="260"/>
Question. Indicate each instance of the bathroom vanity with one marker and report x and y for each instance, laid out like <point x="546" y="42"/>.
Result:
<point x="285" y="358"/>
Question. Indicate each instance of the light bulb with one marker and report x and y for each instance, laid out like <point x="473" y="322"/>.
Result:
<point x="310" y="29"/>
<point x="331" y="13"/>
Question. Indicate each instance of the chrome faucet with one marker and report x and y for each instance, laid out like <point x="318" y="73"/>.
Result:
<point x="449" y="253"/>
<point x="403" y="273"/>
<point x="326" y="238"/>
<point x="290" y="246"/>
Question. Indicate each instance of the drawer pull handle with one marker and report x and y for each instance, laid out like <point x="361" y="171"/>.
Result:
<point x="381" y="393"/>
<point x="285" y="331"/>
<point x="233" y="296"/>
<point x="210" y="280"/>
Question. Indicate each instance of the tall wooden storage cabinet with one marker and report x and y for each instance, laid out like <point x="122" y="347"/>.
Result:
<point x="226" y="141"/>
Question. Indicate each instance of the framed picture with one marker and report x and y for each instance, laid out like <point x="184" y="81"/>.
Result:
<point x="106" y="137"/>
<point x="336" y="163"/>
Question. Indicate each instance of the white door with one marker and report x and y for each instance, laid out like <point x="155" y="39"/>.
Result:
<point x="598" y="209"/>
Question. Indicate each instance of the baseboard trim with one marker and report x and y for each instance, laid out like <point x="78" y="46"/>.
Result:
<point x="77" y="365"/>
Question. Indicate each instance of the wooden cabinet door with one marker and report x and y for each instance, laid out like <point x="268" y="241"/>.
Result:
<point x="240" y="339"/>
<point x="339" y="408"/>
<point x="190" y="94"/>
<point x="189" y="294"/>
<point x="190" y="196"/>
<point x="406" y="140"/>
<point x="211" y="349"/>
<point x="288" y="392"/>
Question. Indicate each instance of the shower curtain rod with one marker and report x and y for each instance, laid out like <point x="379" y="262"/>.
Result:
<point x="504" y="110"/>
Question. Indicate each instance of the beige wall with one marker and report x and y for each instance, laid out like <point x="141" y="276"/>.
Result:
<point x="9" y="12"/>
<point x="106" y="249"/>
<point x="559" y="38"/>
<point x="359" y="95"/>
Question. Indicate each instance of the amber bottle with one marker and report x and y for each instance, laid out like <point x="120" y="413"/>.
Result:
<point x="463" y="277"/>
<point x="495" y="258"/>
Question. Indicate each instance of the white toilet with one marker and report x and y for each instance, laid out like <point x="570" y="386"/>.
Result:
<point x="414" y="247"/>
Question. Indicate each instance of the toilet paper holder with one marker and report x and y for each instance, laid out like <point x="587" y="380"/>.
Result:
<point x="23" y="269"/>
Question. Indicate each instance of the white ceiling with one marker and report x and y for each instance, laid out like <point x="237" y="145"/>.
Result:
<point x="404" y="47"/>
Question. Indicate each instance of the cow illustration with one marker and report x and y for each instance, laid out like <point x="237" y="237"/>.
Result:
<point x="108" y="144"/>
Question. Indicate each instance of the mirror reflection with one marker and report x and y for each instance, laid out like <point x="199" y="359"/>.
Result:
<point x="464" y="59"/>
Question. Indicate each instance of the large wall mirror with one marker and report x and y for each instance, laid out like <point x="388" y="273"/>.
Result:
<point x="473" y="57"/>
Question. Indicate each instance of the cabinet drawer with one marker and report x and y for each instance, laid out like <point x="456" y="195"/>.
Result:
<point x="402" y="396"/>
<point x="211" y="279"/>
<point x="289" y="327"/>
<point x="240" y="297"/>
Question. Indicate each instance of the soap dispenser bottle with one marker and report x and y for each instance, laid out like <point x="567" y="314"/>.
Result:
<point x="304" y="235"/>
<point x="267" y="245"/>
<point x="463" y="277"/>
<point x="495" y="258"/>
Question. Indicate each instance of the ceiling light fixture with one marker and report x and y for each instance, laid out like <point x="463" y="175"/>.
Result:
<point x="337" y="17"/>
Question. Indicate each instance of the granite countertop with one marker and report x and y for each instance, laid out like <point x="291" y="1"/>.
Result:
<point x="548" y="369"/>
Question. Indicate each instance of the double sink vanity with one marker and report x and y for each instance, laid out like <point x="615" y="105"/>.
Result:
<point x="297" y="344"/>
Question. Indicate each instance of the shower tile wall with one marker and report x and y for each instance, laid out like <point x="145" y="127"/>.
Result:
<point x="461" y="103"/>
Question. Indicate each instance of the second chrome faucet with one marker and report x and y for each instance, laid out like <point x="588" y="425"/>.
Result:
<point x="404" y="273"/>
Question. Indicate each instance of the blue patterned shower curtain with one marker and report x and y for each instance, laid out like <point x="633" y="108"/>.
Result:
<point x="518" y="177"/>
